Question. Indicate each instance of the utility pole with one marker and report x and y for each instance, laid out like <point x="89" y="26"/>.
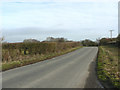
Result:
<point x="111" y="33"/>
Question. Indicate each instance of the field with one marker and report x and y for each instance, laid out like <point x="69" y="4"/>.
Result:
<point x="108" y="66"/>
<point x="20" y="54"/>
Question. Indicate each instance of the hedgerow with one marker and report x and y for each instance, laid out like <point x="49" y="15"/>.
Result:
<point x="17" y="51"/>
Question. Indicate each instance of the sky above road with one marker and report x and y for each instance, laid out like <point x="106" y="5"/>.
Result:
<point x="72" y="19"/>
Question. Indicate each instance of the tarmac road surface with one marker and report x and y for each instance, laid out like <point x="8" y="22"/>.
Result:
<point x="71" y="70"/>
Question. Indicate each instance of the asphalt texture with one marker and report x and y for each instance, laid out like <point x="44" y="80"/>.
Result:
<point x="73" y="70"/>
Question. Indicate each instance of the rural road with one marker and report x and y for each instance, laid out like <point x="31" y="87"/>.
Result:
<point x="71" y="70"/>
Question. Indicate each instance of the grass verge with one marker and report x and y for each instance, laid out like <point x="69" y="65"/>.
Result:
<point x="107" y="67"/>
<point x="34" y="59"/>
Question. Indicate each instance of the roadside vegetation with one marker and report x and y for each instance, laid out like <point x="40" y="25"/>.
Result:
<point x="108" y="68"/>
<point x="20" y="54"/>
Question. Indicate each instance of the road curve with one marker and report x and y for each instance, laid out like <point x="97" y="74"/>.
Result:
<point x="67" y="71"/>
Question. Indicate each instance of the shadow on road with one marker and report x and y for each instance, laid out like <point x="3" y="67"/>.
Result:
<point x="92" y="81"/>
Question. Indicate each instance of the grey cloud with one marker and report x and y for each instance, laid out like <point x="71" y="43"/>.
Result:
<point x="13" y="35"/>
<point x="31" y="31"/>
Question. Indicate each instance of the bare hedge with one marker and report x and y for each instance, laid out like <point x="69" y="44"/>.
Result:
<point x="13" y="51"/>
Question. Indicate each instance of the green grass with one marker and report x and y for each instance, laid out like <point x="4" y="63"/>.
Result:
<point x="107" y="67"/>
<point x="33" y="59"/>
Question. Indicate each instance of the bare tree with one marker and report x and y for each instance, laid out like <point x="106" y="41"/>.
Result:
<point x="1" y="38"/>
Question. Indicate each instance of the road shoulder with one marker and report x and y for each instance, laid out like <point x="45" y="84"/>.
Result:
<point x="92" y="80"/>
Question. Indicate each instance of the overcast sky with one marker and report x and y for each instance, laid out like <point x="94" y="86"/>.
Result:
<point x="74" y="20"/>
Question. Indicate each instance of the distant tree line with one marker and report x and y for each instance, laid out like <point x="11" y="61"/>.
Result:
<point x="109" y="41"/>
<point x="30" y="41"/>
<point x="52" y="39"/>
<point x="88" y="42"/>
<point x="48" y="39"/>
